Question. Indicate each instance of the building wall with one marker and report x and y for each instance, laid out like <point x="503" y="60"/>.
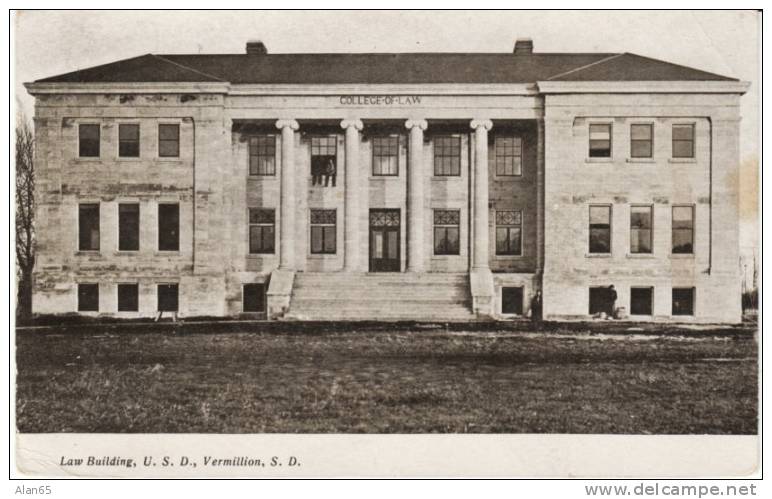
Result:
<point x="573" y="181"/>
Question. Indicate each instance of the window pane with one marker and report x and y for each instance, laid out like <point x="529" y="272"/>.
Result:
<point x="128" y="141"/>
<point x="254" y="297"/>
<point x="682" y="217"/>
<point x="88" y="138"/>
<point x="169" y="132"/>
<point x="128" y="227"/>
<point x="640" y="132"/>
<point x="600" y="141"/>
<point x="168" y="227"/>
<point x="447" y="156"/>
<point x="600" y="240"/>
<point x="512" y="300"/>
<point x="169" y="140"/>
<point x="88" y="297"/>
<point x="640" y="149"/>
<point x="128" y="297"/>
<point x="502" y="240"/>
<point x="255" y="239"/>
<point x="168" y="298"/>
<point x="682" y="241"/>
<point x="262" y="155"/>
<point x="168" y="149"/>
<point x="269" y="239"/>
<point x="600" y="215"/>
<point x="683" y="301"/>
<point x="514" y="241"/>
<point x="683" y="149"/>
<point x="683" y="132"/>
<point x="316" y="239"/>
<point x="640" y="301"/>
<point x="329" y="239"/>
<point x="88" y="227"/>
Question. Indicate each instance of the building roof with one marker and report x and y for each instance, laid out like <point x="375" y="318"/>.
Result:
<point x="406" y="68"/>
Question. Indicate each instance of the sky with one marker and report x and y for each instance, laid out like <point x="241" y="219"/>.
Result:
<point x="724" y="42"/>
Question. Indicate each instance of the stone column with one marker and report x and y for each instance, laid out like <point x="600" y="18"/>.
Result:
<point x="355" y="192"/>
<point x="416" y="259"/>
<point x="287" y="213"/>
<point x="540" y="198"/>
<point x="481" y="229"/>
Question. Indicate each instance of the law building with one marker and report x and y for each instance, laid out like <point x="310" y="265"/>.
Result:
<point x="428" y="186"/>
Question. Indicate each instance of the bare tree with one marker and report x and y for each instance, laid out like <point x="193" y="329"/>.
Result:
<point x="25" y="217"/>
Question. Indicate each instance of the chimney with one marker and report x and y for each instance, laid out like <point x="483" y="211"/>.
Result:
<point x="256" y="47"/>
<point x="524" y="46"/>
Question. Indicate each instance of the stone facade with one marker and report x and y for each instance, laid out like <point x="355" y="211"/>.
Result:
<point x="556" y="183"/>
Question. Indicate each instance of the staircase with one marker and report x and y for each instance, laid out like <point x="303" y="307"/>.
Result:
<point x="380" y="296"/>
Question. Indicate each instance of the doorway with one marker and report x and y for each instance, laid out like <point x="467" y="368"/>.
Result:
<point x="384" y="240"/>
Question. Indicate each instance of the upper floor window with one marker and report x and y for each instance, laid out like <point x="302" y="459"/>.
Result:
<point x="323" y="231"/>
<point x="128" y="227"/>
<point x="262" y="155"/>
<point x="509" y="232"/>
<point x="640" y="229"/>
<point x="169" y="140"/>
<point x="641" y="140"/>
<point x="386" y="155"/>
<point x="88" y="227"/>
<point x="509" y="156"/>
<point x="128" y="141"/>
<point x="169" y="227"/>
<point x="446" y="228"/>
<point x="683" y="141"/>
<point x="447" y="156"/>
<point x="600" y="229"/>
<point x="324" y="153"/>
<point x="262" y="230"/>
<point x="683" y="229"/>
<point x="88" y="141"/>
<point x="600" y="140"/>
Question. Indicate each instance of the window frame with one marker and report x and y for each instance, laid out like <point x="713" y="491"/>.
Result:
<point x="673" y="140"/>
<point x="323" y="225"/>
<point x="375" y="157"/>
<point x="118" y="295"/>
<point x="258" y="155"/>
<point x="520" y="140"/>
<point x="98" y="139"/>
<point x="692" y="229"/>
<point x="250" y="224"/>
<point x="610" y="126"/>
<point x="179" y="141"/>
<point x="435" y="143"/>
<point x="447" y="250"/>
<point x="139" y="226"/>
<point x="99" y="227"/>
<point x="693" y="307"/>
<point x="139" y="141"/>
<point x="650" y="229"/>
<point x="77" y="296"/>
<point x="158" y="227"/>
<point x="650" y="141"/>
<point x="610" y="229"/>
<point x="518" y="252"/>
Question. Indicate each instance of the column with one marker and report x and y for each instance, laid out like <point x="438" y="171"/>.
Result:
<point x="481" y="230"/>
<point x="416" y="261"/>
<point x="540" y="196"/>
<point x="288" y="181"/>
<point x="355" y="190"/>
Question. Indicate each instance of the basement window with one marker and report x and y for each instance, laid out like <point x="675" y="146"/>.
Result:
<point x="168" y="297"/>
<point x="128" y="297"/>
<point x="169" y="227"/>
<point x="128" y="227"/>
<point x="88" y="141"/>
<point x="512" y="300"/>
<point x="169" y="141"/>
<point x="88" y="297"/>
<point x="323" y="231"/>
<point x="683" y="301"/>
<point x="254" y="297"/>
<point x="641" y="301"/>
<point x="88" y="227"/>
<point x="600" y="140"/>
<point x="128" y="141"/>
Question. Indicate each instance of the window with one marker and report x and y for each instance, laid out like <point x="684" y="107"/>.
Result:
<point x="641" y="139"/>
<point x="600" y="229"/>
<point x="254" y="297"/>
<point x="88" y="297"/>
<point x="324" y="151"/>
<point x="600" y="140"/>
<point x="168" y="227"/>
<point x="88" y="141"/>
<point x="128" y="297"/>
<point x="512" y="300"/>
<point x="446" y="232"/>
<point x="88" y="227"/>
<point x="509" y="230"/>
<point x="641" y="300"/>
<point x="599" y="300"/>
<point x="128" y="227"/>
<point x="128" y="141"/>
<point x="169" y="141"/>
<point x="323" y="231"/>
<point x="683" y="301"/>
<point x="640" y="229"/>
<point x="447" y="156"/>
<point x="168" y="297"/>
<point x="262" y="155"/>
<point x="262" y="224"/>
<point x="386" y="156"/>
<point x="509" y="156"/>
<point x="683" y="229"/>
<point x="683" y="141"/>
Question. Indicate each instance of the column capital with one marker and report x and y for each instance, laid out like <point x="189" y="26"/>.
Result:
<point x="352" y="122"/>
<point x="477" y="123"/>
<point x="292" y="124"/>
<point x="420" y="123"/>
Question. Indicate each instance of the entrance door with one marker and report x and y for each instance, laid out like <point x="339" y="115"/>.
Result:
<point x="384" y="241"/>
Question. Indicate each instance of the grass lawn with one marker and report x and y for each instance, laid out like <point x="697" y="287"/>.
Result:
<point x="375" y="381"/>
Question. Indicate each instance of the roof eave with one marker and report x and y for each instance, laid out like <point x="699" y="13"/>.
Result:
<point x="42" y="88"/>
<point x="644" y="87"/>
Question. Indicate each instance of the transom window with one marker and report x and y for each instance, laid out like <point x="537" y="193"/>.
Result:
<point x="128" y="141"/>
<point x="88" y="141"/>
<point x="509" y="156"/>
<point x="600" y="140"/>
<point x="262" y="155"/>
<point x="169" y="140"/>
<point x="600" y="229"/>
<point x="323" y="231"/>
<point x="641" y="140"/>
<point x="324" y="151"/>
<point x="386" y="155"/>
<point x="683" y="141"/>
<point x="446" y="232"/>
<point x="447" y="156"/>
<point x="683" y="229"/>
<point x="509" y="232"/>
<point x="262" y="229"/>
<point x="640" y="229"/>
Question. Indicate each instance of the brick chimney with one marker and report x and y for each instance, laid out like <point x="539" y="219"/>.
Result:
<point x="256" y="47"/>
<point x="523" y="46"/>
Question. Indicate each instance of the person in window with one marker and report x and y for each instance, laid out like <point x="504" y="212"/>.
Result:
<point x="536" y="306"/>
<point x="317" y="168"/>
<point x="329" y="172"/>
<point x="611" y="301"/>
